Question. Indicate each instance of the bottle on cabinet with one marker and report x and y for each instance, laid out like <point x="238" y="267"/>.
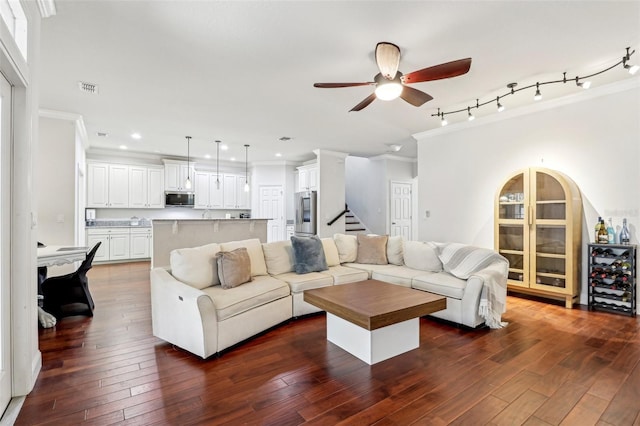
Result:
<point x="597" y="229"/>
<point x="624" y="233"/>
<point x="603" y="236"/>
<point x="611" y="233"/>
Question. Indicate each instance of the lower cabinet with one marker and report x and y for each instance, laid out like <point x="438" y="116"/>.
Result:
<point x="120" y="243"/>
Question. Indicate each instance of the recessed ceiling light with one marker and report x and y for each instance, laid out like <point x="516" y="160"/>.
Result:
<point x="123" y="147"/>
<point x="207" y="156"/>
<point x="224" y="147"/>
<point x="278" y="154"/>
<point x="136" y="136"/>
<point x="232" y="158"/>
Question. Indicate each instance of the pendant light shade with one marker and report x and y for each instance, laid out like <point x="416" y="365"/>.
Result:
<point x="187" y="183"/>
<point x="246" y="168"/>
<point x="218" y="164"/>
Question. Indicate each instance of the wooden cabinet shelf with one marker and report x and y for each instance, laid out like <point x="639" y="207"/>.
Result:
<point x="538" y="229"/>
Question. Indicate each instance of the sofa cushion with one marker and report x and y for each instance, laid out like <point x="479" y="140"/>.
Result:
<point x="196" y="266"/>
<point x="422" y="256"/>
<point x="367" y="267"/>
<point x="308" y="254"/>
<point x="330" y="252"/>
<point x="260" y="291"/>
<point x="441" y="283"/>
<point x="278" y="257"/>
<point x="395" y="250"/>
<point x="372" y="249"/>
<point x="254" y="248"/>
<point x="302" y="282"/>
<point x="347" y="247"/>
<point x="401" y="275"/>
<point x="234" y="267"/>
<point x="344" y="274"/>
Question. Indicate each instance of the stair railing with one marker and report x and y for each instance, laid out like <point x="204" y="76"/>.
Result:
<point x="342" y="213"/>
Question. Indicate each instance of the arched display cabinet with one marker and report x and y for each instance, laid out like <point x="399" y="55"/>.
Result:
<point x="538" y="220"/>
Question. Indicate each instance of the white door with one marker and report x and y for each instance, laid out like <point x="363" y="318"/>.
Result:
<point x="401" y="207"/>
<point x="272" y="207"/>
<point x="5" y="252"/>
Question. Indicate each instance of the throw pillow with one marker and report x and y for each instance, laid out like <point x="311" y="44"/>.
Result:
<point x="330" y="252"/>
<point x="254" y="248"/>
<point x="422" y="256"/>
<point x="372" y="249"/>
<point x="395" y="251"/>
<point x="195" y="266"/>
<point x="308" y="254"/>
<point x="278" y="256"/>
<point x="347" y="247"/>
<point x="234" y="267"/>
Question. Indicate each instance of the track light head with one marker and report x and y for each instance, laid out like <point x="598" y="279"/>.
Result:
<point x="470" y="116"/>
<point x="538" y="95"/>
<point x="499" y="105"/>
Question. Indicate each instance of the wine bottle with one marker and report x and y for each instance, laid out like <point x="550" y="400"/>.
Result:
<point x="603" y="237"/>
<point x="611" y="233"/>
<point x="597" y="229"/>
<point x="624" y="232"/>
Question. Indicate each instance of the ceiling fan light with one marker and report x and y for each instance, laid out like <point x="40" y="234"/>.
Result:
<point x="388" y="91"/>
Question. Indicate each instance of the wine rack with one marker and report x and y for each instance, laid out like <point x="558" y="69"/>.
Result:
<point x="612" y="278"/>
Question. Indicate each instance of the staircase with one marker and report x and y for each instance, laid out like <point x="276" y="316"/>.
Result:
<point x="353" y="225"/>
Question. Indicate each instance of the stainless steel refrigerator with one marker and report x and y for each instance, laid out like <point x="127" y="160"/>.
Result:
<point x="306" y="213"/>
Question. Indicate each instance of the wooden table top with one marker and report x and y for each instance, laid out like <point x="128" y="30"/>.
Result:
<point x="373" y="304"/>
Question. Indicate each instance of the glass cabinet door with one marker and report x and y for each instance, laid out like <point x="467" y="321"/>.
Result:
<point x="548" y="269"/>
<point x="512" y="233"/>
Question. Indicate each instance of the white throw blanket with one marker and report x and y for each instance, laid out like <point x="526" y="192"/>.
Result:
<point x="464" y="261"/>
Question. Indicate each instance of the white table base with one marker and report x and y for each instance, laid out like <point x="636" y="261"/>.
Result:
<point x="373" y="346"/>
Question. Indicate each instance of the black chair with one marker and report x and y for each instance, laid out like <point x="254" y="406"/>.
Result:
<point x="69" y="294"/>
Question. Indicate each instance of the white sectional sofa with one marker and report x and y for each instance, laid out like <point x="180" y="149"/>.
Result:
<point x="192" y="310"/>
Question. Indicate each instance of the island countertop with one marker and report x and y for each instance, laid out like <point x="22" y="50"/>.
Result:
<point x="171" y="234"/>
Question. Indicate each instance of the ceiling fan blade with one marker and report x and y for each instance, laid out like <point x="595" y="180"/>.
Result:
<point x="388" y="59"/>
<point x="334" y="85"/>
<point x="414" y="96"/>
<point x="438" y="72"/>
<point x="364" y="103"/>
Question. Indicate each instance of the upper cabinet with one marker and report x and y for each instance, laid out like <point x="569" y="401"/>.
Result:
<point x="226" y="192"/>
<point x="176" y="173"/>
<point x="538" y="229"/>
<point x="146" y="187"/>
<point x="107" y="185"/>
<point x="308" y="178"/>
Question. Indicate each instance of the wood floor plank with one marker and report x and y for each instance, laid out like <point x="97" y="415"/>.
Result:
<point x="550" y="365"/>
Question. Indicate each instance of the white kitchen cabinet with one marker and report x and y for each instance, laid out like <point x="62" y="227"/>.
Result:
<point x="107" y="185"/>
<point x="115" y="243"/>
<point x="118" y="186"/>
<point x="175" y="175"/>
<point x="308" y="178"/>
<point x="140" y="243"/>
<point x="243" y="199"/>
<point x="146" y="187"/>
<point x="230" y="189"/>
<point x="208" y="194"/>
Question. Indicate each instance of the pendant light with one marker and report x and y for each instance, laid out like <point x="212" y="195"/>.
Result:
<point x="187" y="183"/>
<point x="246" y="168"/>
<point x="217" y="164"/>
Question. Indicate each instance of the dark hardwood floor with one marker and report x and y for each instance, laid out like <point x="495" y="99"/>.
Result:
<point x="549" y="366"/>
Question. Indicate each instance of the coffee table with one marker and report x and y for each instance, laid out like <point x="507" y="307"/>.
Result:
<point x="374" y="320"/>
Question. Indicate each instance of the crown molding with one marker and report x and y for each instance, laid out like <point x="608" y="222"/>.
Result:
<point x="393" y="158"/>
<point x="583" y="95"/>
<point x="340" y="155"/>
<point x="47" y="8"/>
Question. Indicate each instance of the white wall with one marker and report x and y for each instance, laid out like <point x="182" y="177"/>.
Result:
<point x="592" y="137"/>
<point x="331" y="191"/>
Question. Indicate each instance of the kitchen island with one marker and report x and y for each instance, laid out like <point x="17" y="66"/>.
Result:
<point x="170" y="234"/>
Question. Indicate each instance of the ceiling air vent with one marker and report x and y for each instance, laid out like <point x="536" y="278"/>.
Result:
<point x="88" y="87"/>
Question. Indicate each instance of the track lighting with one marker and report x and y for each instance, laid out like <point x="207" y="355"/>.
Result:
<point x="584" y="84"/>
<point x="581" y="81"/>
<point x="538" y="95"/>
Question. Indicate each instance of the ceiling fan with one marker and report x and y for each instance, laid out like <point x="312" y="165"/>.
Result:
<point x="391" y="83"/>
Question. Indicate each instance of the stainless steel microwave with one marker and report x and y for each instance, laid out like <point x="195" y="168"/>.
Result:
<point x="179" y="199"/>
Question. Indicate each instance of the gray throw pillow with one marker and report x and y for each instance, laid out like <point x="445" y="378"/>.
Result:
<point x="234" y="267"/>
<point x="308" y="254"/>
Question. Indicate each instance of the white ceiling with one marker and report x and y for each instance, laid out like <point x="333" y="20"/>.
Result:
<point x="243" y="72"/>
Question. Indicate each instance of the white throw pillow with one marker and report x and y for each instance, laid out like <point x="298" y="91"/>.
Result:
<point x="254" y="248"/>
<point x="422" y="256"/>
<point x="278" y="256"/>
<point x="395" y="250"/>
<point x="330" y="251"/>
<point x="196" y="266"/>
<point x="347" y="247"/>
